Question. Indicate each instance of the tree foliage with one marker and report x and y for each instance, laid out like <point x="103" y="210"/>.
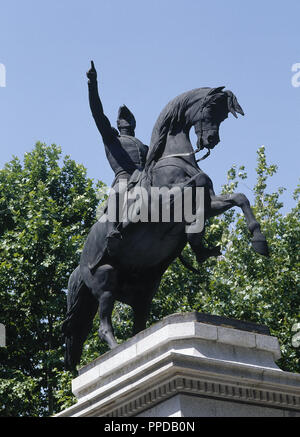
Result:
<point x="240" y="284"/>
<point x="45" y="213"/>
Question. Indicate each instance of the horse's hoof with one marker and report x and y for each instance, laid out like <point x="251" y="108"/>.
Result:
<point x="260" y="245"/>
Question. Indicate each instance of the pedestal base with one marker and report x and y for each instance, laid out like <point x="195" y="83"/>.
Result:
<point x="189" y="365"/>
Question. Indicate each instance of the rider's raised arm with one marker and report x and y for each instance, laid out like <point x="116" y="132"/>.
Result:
<point x="100" y="118"/>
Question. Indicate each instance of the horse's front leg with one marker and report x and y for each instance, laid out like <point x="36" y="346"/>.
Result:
<point x="220" y="204"/>
<point x="196" y="229"/>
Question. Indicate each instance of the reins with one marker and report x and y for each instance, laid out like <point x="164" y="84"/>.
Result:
<point x="199" y="129"/>
<point x="188" y="154"/>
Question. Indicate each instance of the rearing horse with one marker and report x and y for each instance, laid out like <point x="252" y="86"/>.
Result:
<point x="133" y="274"/>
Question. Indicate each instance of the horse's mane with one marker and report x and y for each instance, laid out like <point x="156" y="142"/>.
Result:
<point x="172" y="114"/>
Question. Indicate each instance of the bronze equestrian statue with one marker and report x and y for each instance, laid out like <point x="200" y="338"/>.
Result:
<point x="131" y="270"/>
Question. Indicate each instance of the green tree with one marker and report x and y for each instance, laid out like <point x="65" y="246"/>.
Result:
<point x="45" y="213"/>
<point x="46" y="210"/>
<point x="240" y="284"/>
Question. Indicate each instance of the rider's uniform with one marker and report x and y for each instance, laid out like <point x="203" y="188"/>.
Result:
<point x="125" y="153"/>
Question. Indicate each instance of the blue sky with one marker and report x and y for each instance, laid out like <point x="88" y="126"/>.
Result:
<point x="146" y="53"/>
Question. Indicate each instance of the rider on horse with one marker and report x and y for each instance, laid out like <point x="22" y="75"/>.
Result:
<point x="125" y="153"/>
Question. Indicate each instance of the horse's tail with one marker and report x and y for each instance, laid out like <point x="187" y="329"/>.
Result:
<point x="81" y="310"/>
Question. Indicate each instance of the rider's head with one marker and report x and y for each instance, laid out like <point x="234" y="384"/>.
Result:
<point x="126" y="121"/>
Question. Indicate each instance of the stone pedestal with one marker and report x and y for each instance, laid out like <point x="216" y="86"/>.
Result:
<point x="189" y="365"/>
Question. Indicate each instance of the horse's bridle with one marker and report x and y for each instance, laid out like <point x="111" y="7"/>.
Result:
<point x="189" y="154"/>
<point x="198" y="129"/>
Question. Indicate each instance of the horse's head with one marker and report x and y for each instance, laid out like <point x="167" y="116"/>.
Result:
<point x="207" y="114"/>
<point x="203" y="108"/>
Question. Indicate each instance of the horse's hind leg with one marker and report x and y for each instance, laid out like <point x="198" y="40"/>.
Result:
<point x="105" y="283"/>
<point x="106" y="333"/>
<point x="141" y="309"/>
<point x="142" y="303"/>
